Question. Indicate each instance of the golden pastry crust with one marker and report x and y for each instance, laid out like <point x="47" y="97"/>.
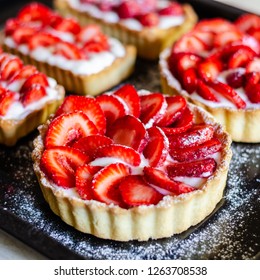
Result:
<point x="12" y="130"/>
<point x="92" y="84"/>
<point x="149" y="42"/>
<point x="143" y="222"/>
<point x="241" y="124"/>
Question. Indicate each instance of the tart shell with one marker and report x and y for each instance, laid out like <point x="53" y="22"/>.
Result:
<point x="170" y="216"/>
<point x="242" y="125"/>
<point x="149" y="42"/>
<point x="12" y="130"/>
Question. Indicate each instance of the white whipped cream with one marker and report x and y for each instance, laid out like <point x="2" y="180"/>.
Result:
<point x="165" y="22"/>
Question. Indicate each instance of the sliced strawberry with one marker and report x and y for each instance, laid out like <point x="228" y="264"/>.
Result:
<point x="196" y="135"/>
<point x="67" y="25"/>
<point x="87" y="105"/>
<point x="200" y="168"/>
<point x="208" y="70"/>
<point x="4" y="58"/>
<point x="105" y="183"/>
<point x="207" y="37"/>
<point x="182" y="124"/>
<point x="247" y="21"/>
<point x="98" y="44"/>
<point x="241" y="57"/>
<point x="68" y="128"/>
<point x="189" y="43"/>
<point x="160" y="179"/>
<point x="251" y="78"/>
<point x="60" y="164"/>
<point x="228" y="93"/>
<point x="42" y="39"/>
<point x="11" y="25"/>
<point x="227" y="37"/>
<point x="130" y="96"/>
<point x="10" y="68"/>
<point x="24" y="73"/>
<point x="128" y="9"/>
<point x="33" y="94"/>
<point x="22" y="34"/>
<point x="88" y="33"/>
<point x="112" y="108"/>
<point x="253" y="65"/>
<point x="37" y="78"/>
<point x="189" y="80"/>
<point x="69" y="51"/>
<point x="34" y="12"/>
<point x="235" y="79"/>
<point x="7" y="98"/>
<point x="153" y="107"/>
<point x="156" y="150"/>
<point x="126" y="154"/>
<point x="185" y="61"/>
<point x="252" y="41"/>
<point x="216" y="25"/>
<point x="84" y="176"/>
<point x="255" y="32"/>
<point x="135" y="192"/>
<point x="90" y="144"/>
<point x="149" y="20"/>
<point x="174" y="9"/>
<point x="175" y="107"/>
<point x="128" y="131"/>
<point x="204" y="91"/>
<point x="253" y="93"/>
<point x="198" y="152"/>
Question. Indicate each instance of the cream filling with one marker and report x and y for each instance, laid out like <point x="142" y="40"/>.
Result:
<point x="165" y="22"/>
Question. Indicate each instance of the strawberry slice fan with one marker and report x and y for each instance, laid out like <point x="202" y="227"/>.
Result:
<point x="217" y="66"/>
<point x="120" y="165"/>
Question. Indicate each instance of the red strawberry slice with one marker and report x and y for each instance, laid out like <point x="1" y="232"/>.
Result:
<point x="98" y="44"/>
<point x="201" y="168"/>
<point x="251" y="78"/>
<point x="135" y="192"/>
<point x="186" y="61"/>
<point x="174" y="9"/>
<point x="88" y="33"/>
<point x="227" y="37"/>
<point x="87" y="105"/>
<point x="60" y="164"/>
<point x="67" y="25"/>
<point x="34" y="12"/>
<point x="255" y="32"/>
<point x="209" y="70"/>
<point x="10" y="68"/>
<point x="228" y="93"/>
<point x="11" y="25"/>
<point x="22" y="34"/>
<point x="253" y="93"/>
<point x="153" y="107"/>
<point x="90" y="144"/>
<point x="68" y="128"/>
<point x="105" y="183"/>
<point x="84" y="176"/>
<point x="69" y="51"/>
<point x="253" y="65"/>
<point x="112" y="108"/>
<point x="130" y="96"/>
<point x="235" y="79"/>
<point x="198" y="152"/>
<point x="126" y="154"/>
<point x="190" y="80"/>
<point x="207" y="37"/>
<point x="128" y="131"/>
<point x="35" y="79"/>
<point x="241" y="57"/>
<point x="204" y="91"/>
<point x="197" y="135"/>
<point x="156" y="150"/>
<point x="175" y="107"/>
<point x="7" y="98"/>
<point x="182" y="124"/>
<point x="160" y="179"/>
<point x="128" y="9"/>
<point x="247" y="21"/>
<point x="4" y="58"/>
<point x="42" y="39"/>
<point x="33" y="94"/>
<point x="216" y="25"/>
<point x="149" y="20"/>
<point x="24" y="73"/>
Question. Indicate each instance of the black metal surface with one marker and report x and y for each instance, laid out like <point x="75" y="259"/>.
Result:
<point x="232" y="232"/>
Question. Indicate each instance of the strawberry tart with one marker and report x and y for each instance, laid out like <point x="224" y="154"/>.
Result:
<point x="217" y="66"/>
<point x="82" y="59"/>
<point x="131" y="165"/>
<point x="148" y="24"/>
<point x="27" y="98"/>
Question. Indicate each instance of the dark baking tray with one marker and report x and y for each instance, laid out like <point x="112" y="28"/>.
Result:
<point x="232" y="232"/>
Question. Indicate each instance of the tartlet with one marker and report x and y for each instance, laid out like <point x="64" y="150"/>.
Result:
<point x="150" y="25"/>
<point x="217" y="67"/>
<point x="27" y="98"/>
<point x="82" y="59"/>
<point x="141" y="174"/>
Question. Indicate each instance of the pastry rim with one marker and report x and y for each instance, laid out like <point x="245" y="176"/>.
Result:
<point x="115" y="223"/>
